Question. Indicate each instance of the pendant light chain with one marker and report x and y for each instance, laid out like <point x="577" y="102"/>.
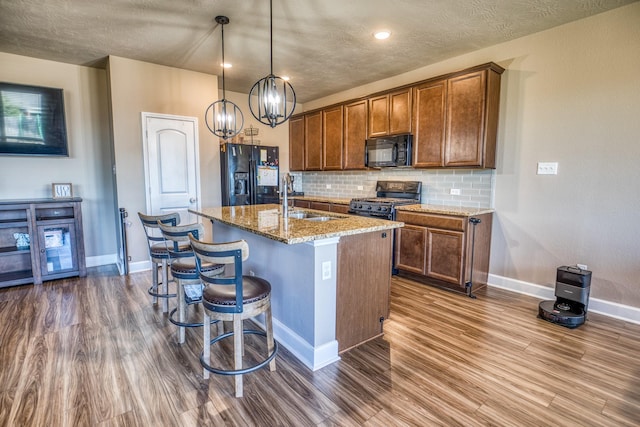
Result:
<point x="272" y="100"/>
<point x="224" y="118"/>
<point x="271" y="34"/>
<point x="224" y="93"/>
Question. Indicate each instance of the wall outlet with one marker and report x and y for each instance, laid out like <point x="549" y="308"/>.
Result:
<point x="328" y="186"/>
<point x="547" y="168"/>
<point x="326" y="270"/>
<point x="360" y="188"/>
<point x="455" y="191"/>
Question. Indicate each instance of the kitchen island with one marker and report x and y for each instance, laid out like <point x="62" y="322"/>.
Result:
<point x="330" y="273"/>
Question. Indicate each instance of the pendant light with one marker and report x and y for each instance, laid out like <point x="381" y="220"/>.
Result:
<point x="224" y="118"/>
<point x="272" y="99"/>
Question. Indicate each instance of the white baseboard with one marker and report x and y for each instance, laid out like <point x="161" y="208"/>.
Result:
<point x="313" y="357"/>
<point x="607" y="308"/>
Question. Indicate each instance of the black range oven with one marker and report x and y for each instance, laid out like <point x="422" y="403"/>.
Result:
<point x="390" y="194"/>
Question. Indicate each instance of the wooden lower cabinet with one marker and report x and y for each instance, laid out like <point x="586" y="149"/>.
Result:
<point x="322" y="206"/>
<point x="437" y="249"/>
<point x="339" y="208"/>
<point x="364" y="280"/>
<point x="302" y="204"/>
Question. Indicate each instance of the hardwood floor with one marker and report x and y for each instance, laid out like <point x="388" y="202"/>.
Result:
<point x="95" y="351"/>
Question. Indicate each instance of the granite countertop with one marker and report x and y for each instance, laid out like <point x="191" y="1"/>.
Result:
<point x="267" y="221"/>
<point x="445" y="210"/>
<point x="326" y="199"/>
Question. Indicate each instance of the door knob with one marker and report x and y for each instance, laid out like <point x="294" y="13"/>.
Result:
<point x="192" y="200"/>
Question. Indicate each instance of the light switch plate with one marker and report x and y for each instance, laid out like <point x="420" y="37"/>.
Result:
<point x="547" y="168"/>
<point x="455" y="192"/>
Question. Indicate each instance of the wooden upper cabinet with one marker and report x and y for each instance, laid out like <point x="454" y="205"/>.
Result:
<point x="400" y="112"/>
<point x="456" y="119"/>
<point x="429" y="105"/>
<point x="355" y="134"/>
<point x="465" y="124"/>
<point x="332" y="123"/>
<point x="313" y="141"/>
<point x="296" y="143"/>
<point x="390" y="114"/>
<point x="379" y="116"/>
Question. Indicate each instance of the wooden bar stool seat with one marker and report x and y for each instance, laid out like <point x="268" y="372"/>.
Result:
<point x="233" y="298"/>
<point x="159" y="255"/>
<point x="185" y="272"/>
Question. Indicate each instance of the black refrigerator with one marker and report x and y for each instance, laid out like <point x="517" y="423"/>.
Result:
<point x="250" y="174"/>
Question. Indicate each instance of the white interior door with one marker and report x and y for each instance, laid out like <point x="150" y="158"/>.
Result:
<point x="172" y="172"/>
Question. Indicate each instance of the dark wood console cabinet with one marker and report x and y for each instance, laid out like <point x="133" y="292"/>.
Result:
<point x="55" y="247"/>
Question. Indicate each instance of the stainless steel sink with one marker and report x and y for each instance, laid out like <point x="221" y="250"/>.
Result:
<point x="311" y="216"/>
<point x="320" y="218"/>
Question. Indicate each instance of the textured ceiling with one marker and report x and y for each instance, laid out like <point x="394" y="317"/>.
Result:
<point x="325" y="46"/>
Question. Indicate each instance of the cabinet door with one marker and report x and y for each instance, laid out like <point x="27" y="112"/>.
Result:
<point x="332" y="138"/>
<point x="411" y="247"/>
<point x="429" y="102"/>
<point x="58" y="250"/>
<point x="321" y="206"/>
<point x="15" y="246"/>
<point x="400" y="112"/>
<point x="379" y="116"/>
<point x="313" y="141"/>
<point x="355" y="134"/>
<point x="465" y="120"/>
<point x="339" y="208"/>
<point x="301" y="204"/>
<point x="445" y="255"/>
<point x="296" y="143"/>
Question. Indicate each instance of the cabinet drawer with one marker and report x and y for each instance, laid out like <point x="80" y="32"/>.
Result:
<point x="321" y="206"/>
<point x="49" y="213"/>
<point x="434" y="221"/>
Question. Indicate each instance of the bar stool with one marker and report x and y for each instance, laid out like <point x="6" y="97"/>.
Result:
<point x="233" y="298"/>
<point x="184" y="271"/>
<point x="159" y="255"/>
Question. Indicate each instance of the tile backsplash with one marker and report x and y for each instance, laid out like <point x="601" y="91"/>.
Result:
<point x="476" y="186"/>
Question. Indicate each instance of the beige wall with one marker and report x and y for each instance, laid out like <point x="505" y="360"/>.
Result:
<point x="88" y="166"/>
<point x="137" y="87"/>
<point x="570" y="95"/>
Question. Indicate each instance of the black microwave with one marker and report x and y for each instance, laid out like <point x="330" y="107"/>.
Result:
<point x="388" y="151"/>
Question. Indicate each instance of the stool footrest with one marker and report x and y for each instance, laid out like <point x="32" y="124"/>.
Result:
<point x="245" y="370"/>
<point x="184" y="324"/>
<point x="153" y="292"/>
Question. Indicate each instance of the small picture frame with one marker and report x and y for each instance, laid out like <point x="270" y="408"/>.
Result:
<point x="62" y="190"/>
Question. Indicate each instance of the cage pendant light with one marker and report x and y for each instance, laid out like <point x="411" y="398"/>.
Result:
<point x="272" y="99"/>
<point x="224" y="118"/>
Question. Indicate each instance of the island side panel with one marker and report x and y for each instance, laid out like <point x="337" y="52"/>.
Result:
<point x="364" y="280"/>
<point x="303" y="304"/>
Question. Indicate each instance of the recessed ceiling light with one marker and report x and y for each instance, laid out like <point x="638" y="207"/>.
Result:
<point x="226" y="65"/>
<point x="381" y="35"/>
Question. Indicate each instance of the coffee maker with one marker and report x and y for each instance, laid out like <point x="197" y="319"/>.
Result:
<point x="572" y="298"/>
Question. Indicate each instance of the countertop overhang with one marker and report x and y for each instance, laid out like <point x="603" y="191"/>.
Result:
<point x="267" y="220"/>
<point x="445" y="210"/>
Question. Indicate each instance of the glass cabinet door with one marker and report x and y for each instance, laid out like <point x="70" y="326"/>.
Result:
<point x="57" y="248"/>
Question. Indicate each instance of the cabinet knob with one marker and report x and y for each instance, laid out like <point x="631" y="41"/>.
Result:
<point x="42" y="251"/>
<point x="192" y="200"/>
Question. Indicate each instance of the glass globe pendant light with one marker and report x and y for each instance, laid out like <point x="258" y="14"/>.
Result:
<point x="272" y="99"/>
<point x="224" y="118"/>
